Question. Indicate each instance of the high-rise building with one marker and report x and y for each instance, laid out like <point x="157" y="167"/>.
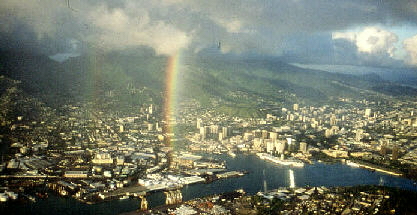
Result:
<point x="383" y="151"/>
<point x="102" y="158"/>
<point x="367" y="112"/>
<point x="247" y="136"/>
<point x="270" y="146"/>
<point x="220" y="136"/>
<point x="258" y="144"/>
<point x="199" y="123"/>
<point x="295" y="107"/>
<point x="289" y="140"/>
<point x="257" y="133"/>
<point x="121" y="129"/>
<point x="264" y="134"/>
<point x="203" y="132"/>
<point x="214" y="129"/>
<point x="303" y="147"/>
<point x="335" y="129"/>
<point x="333" y="120"/>
<point x="358" y="136"/>
<point x="291" y="144"/>
<point x="328" y="132"/>
<point x="150" y="109"/>
<point x="280" y="146"/>
<point x="395" y="153"/>
<point x="273" y="135"/>
<point x="225" y="131"/>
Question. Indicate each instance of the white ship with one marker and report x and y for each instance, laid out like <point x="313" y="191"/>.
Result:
<point x="3" y="197"/>
<point x="192" y="180"/>
<point x="285" y="162"/>
<point x="352" y="164"/>
<point x="124" y="197"/>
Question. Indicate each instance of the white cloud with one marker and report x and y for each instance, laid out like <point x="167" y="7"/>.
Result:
<point x="231" y="26"/>
<point x="371" y="40"/>
<point x="118" y="29"/>
<point x="61" y="57"/>
<point x="410" y="45"/>
<point x="350" y="36"/>
<point x="260" y="27"/>
<point x="106" y="24"/>
<point x="375" y="40"/>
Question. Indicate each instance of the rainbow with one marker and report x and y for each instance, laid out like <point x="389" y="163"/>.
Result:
<point x="171" y="83"/>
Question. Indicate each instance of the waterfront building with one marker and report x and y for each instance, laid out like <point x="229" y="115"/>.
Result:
<point x="270" y="146"/>
<point x="303" y="147"/>
<point x="280" y="146"/>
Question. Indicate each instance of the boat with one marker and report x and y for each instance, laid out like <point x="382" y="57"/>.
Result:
<point x="285" y="162"/>
<point x="124" y="197"/>
<point x="31" y="198"/>
<point x="12" y="195"/>
<point x="3" y="197"/>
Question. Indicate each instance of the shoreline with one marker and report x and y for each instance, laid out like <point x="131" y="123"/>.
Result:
<point x="374" y="168"/>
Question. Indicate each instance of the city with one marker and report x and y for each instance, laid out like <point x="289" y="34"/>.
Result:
<point x="96" y="156"/>
<point x="208" y="107"/>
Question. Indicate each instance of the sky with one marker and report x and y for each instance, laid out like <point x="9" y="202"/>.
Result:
<point x="354" y="32"/>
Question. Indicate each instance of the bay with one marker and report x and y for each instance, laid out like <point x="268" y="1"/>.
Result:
<point x="261" y="175"/>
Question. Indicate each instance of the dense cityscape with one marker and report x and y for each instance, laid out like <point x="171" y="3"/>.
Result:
<point x="208" y="107"/>
<point x="96" y="155"/>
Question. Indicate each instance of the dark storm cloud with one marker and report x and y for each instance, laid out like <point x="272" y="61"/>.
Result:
<point x="264" y="26"/>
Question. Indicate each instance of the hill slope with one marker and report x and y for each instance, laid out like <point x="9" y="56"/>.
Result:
<point x="235" y="86"/>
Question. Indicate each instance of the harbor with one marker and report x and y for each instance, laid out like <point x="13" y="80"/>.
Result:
<point x="261" y="174"/>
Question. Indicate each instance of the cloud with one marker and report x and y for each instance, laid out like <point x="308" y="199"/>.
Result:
<point x="262" y="26"/>
<point x="71" y="50"/>
<point x="107" y="25"/>
<point x="371" y="40"/>
<point x="116" y="29"/>
<point x="371" y="45"/>
<point x="40" y="15"/>
<point x="61" y="57"/>
<point x="410" y="45"/>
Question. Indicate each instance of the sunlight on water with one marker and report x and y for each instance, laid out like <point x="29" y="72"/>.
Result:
<point x="292" y="179"/>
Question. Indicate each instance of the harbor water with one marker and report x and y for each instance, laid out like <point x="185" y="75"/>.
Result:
<point x="262" y="175"/>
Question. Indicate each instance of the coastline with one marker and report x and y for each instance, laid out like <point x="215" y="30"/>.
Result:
<point x="374" y="168"/>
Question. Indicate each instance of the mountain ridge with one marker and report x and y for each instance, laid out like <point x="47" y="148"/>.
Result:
<point x="135" y="79"/>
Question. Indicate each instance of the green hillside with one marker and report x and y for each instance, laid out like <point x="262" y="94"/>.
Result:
<point x="234" y="86"/>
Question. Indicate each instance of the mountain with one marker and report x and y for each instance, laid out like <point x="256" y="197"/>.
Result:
<point x="403" y="76"/>
<point x="233" y="85"/>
